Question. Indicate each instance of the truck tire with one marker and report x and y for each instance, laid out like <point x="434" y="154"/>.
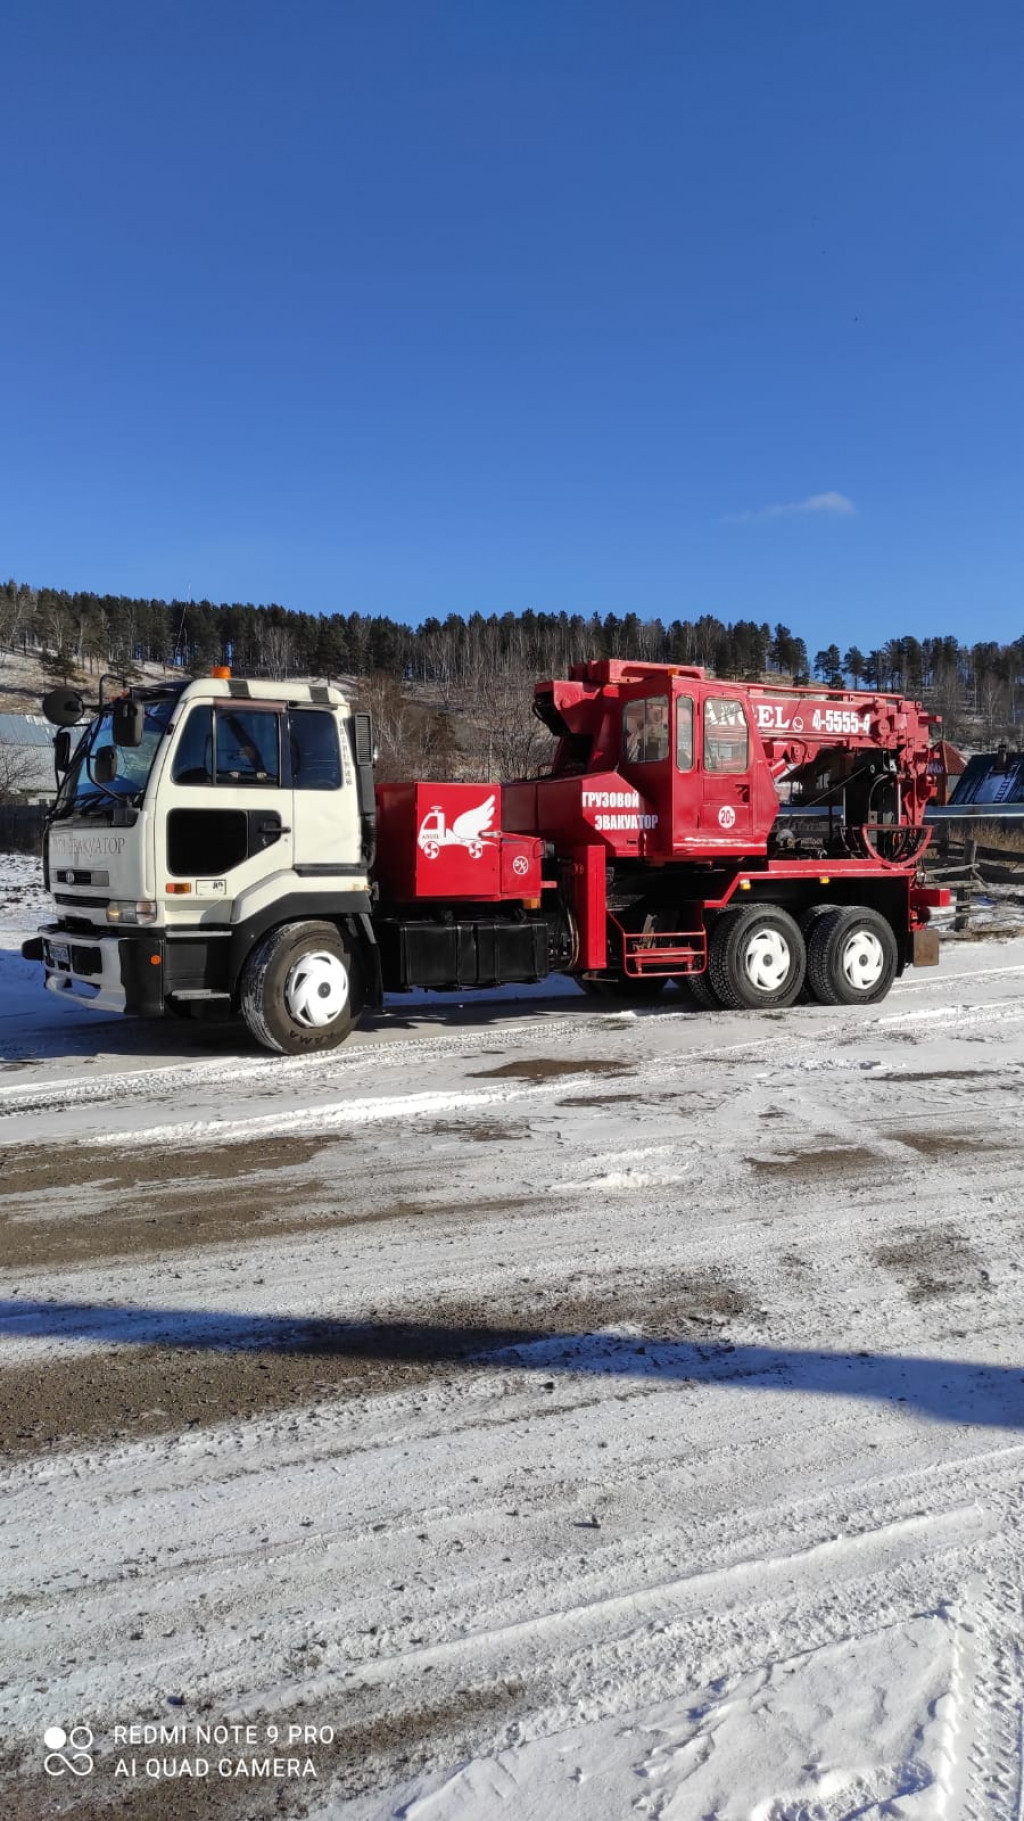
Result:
<point x="851" y="957"/>
<point x="807" y="920"/>
<point x="698" y="987"/>
<point x="301" y="989"/>
<point x="758" y="959"/>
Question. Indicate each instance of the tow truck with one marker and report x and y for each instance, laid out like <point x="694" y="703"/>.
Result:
<point x="220" y="846"/>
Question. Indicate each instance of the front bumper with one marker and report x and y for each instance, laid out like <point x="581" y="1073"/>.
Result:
<point x="110" y="973"/>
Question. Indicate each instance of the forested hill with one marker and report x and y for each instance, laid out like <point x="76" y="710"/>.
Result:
<point x="976" y="687"/>
<point x="100" y="629"/>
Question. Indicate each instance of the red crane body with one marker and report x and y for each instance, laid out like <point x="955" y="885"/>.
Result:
<point x="675" y="797"/>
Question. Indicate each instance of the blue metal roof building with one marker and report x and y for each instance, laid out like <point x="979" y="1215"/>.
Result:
<point x="26" y="741"/>
<point x="990" y="790"/>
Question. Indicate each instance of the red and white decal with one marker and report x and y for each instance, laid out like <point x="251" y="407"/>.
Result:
<point x="776" y="717"/>
<point x="470" y="830"/>
<point x="626" y="811"/>
<point x="726" y="816"/>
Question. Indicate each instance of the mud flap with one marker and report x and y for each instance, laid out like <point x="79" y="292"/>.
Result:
<point x="925" y="948"/>
<point x="142" y="975"/>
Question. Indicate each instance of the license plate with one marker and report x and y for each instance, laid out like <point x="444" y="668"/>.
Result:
<point x="60" y="954"/>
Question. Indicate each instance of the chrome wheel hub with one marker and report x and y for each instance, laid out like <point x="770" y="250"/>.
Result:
<point x="767" y="960"/>
<point x="316" y="990"/>
<point x="863" y="961"/>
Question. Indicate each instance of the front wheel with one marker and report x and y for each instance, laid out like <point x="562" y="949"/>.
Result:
<point x="301" y="991"/>
<point x="758" y="958"/>
<point x="851" y="957"/>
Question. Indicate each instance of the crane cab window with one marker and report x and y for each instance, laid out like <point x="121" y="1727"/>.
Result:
<point x="684" y="733"/>
<point x="726" y="736"/>
<point x="645" y="730"/>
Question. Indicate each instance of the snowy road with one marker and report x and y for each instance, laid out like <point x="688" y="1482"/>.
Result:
<point x="581" y="1413"/>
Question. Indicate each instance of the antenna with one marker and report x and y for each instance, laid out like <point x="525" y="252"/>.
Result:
<point x="181" y="628"/>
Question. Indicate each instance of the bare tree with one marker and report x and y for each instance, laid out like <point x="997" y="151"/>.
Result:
<point x="277" y="651"/>
<point x="12" y="613"/>
<point x="16" y="769"/>
<point x="517" y="743"/>
<point x="382" y="697"/>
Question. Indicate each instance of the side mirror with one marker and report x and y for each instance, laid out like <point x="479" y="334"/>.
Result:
<point x="62" y="751"/>
<point x="104" y="765"/>
<point x="63" y="707"/>
<point x="128" y="722"/>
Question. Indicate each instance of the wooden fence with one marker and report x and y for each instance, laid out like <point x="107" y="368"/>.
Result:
<point x="21" y="827"/>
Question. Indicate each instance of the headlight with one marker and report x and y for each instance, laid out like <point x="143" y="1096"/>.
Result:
<point x="123" y="911"/>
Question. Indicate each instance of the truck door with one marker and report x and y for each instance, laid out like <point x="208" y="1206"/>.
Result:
<point x="325" y="813"/>
<point x="643" y="824"/>
<point x="728" y="757"/>
<point x="225" y="816"/>
<point x="688" y="780"/>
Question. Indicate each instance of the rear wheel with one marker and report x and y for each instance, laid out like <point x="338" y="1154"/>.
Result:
<point x="758" y="958"/>
<point x="698" y="987"/>
<point x="301" y="991"/>
<point x="807" y="921"/>
<point x="851" y="957"/>
<point x="809" y="918"/>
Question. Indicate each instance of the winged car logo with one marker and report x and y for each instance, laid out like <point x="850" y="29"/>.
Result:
<point x="470" y="830"/>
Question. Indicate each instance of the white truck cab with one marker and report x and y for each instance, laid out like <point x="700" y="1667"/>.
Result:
<point x="209" y="849"/>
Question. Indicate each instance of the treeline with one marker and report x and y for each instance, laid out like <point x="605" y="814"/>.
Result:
<point x="477" y="665"/>
<point x="96" y="630"/>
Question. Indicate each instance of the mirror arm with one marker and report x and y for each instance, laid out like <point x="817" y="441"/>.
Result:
<point x="109" y="676"/>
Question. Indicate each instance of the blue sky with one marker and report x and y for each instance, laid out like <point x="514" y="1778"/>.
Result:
<point x="413" y="307"/>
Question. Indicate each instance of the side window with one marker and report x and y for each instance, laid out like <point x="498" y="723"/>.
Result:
<point x="684" y="733"/>
<point x="633" y="732"/>
<point x="645" y="730"/>
<point x="315" y="754"/>
<point x="726" y="736"/>
<point x="247" y="747"/>
<point x="193" y="757"/>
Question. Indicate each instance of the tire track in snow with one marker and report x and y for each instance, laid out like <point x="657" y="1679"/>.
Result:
<point x="389" y="1049"/>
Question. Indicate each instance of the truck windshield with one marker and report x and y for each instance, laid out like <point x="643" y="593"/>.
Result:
<point x="80" y="795"/>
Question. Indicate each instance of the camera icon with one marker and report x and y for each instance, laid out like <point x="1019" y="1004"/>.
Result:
<point x="68" y="1752"/>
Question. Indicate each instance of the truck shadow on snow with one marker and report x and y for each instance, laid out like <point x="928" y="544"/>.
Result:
<point x="35" y="1027"/>
<point x="946" y="1390"/>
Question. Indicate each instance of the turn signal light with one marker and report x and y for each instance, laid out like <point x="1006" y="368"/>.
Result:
<point x="177" y="890"/>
